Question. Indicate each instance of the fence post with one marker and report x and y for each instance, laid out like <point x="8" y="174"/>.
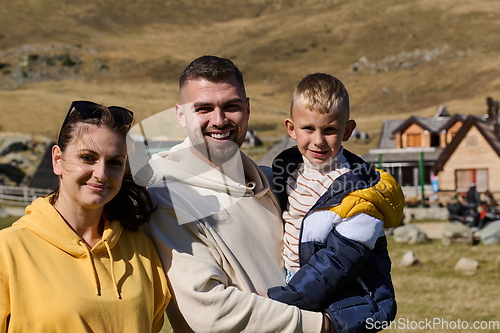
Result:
<point x="421" y="166"/>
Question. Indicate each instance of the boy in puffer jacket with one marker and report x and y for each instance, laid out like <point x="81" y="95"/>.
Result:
<point x="335" y="207"/>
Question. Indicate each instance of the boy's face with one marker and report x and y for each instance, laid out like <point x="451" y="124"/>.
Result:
<point x="319" y="136"/>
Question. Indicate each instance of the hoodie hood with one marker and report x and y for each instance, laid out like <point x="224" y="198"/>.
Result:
<point x="386" y="195"/>
<point x="181" y="165"/>
<point x="43" y="219"/>
<point x="186" y="179"/>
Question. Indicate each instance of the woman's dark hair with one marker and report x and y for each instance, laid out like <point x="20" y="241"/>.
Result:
<point x="132" y="205"/>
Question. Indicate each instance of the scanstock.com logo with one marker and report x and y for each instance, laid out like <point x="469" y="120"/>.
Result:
<point x="186" y="174"/>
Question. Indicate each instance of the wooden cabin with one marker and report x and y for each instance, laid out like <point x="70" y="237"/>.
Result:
<point x="458" y="149"/>
<point x="450" y="129"/>
<point x="419" y="132"/>
<point x="400" y="149"/>
<point x="473" y="156"/>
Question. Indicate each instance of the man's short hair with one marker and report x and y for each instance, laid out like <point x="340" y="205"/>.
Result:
<point x="323" y="93"/>
<point x="211" y="68"/>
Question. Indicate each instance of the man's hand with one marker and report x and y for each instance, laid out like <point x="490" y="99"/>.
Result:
<point x="327" y="324"/>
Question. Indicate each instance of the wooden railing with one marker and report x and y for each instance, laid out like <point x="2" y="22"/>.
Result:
<point x="20" y="195"/>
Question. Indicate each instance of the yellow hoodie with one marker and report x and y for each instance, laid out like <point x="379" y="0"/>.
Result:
<point x="51" y="281"/>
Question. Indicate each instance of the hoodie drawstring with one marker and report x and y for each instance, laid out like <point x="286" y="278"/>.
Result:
<point x="96" y="280"/>
<point x="112" y="269"/>
<point x="94" y="270"/>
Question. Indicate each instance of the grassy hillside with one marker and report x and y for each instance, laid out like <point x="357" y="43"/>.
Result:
<point x="395" y="57"/>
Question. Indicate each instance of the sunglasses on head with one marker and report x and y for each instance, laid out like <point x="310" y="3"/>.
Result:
<point x="87" y="109"/>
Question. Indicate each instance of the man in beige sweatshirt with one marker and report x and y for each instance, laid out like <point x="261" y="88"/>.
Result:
<point x="218" y="227"/>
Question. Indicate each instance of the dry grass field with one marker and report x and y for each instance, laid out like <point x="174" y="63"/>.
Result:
<point x="433" y="293"/>
<point x="397" y="58"/>
<point x="434" y="297"/>
<point x="436" y="292"/>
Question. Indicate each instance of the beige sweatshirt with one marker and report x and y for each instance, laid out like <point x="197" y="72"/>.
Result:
<point x="221" y="243"/>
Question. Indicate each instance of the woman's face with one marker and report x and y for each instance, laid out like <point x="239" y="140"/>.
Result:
<point x="90" y="169"/>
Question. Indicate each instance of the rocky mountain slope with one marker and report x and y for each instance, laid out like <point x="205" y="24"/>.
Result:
<point x="395" y="57"/>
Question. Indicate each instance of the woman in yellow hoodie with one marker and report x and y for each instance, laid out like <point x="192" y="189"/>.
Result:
<point x="76" y="262"/>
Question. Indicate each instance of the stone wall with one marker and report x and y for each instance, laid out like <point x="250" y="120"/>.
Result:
<point x="23" y="152"/>
<point x="430" y="213"/>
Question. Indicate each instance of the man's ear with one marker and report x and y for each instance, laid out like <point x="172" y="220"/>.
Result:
<point x="248" y="107"/>
<point x="290" y="128"/>
<point x="56" y="160"/>
<point x="349" y="128"/>
<point x="179" y="113"/>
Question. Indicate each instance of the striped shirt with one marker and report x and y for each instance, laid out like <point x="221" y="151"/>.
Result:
<point x="304" y="187"/>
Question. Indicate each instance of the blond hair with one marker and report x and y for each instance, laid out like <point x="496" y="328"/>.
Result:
<point x="322" y="93"/>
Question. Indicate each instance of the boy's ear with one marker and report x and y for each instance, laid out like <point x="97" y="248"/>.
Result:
<point x="349" y="128"/>
<point x="290" y="128"/>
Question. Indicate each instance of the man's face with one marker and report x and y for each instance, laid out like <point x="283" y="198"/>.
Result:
<point x="216" y="116"/>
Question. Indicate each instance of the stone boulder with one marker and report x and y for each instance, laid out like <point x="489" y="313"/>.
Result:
<point x="467" y="264"/>
<point x="428" y="213"/>
<point x="457" y="233"/>
<point x="409" y="259"/>
<point x="409" y="234"/>
<point x="491" y="233"/>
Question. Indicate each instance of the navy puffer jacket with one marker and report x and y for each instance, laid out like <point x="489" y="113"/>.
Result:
<point x="338" y="275"/>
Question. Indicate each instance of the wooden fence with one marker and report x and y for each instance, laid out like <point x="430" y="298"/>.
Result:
<point x="20" y="195"/>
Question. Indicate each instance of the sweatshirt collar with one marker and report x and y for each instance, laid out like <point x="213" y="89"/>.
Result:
<point x="180" y="164"/>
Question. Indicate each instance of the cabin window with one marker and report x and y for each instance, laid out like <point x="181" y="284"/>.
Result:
<point x="466" y="176"/>
<point x="414" y="140"/>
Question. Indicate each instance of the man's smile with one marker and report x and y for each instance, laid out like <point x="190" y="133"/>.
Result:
<point x="220" y="135"/>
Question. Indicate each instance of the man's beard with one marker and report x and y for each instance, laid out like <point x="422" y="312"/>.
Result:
<point x="216" y="153"/>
